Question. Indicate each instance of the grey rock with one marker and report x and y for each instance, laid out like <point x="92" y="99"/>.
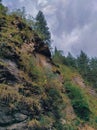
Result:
<point x="20" y="117"/>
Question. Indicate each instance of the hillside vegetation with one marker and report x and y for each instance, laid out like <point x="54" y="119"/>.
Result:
<point x="39" y="91"/>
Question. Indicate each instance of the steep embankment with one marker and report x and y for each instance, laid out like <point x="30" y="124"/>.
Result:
<point x="34" y="92"/>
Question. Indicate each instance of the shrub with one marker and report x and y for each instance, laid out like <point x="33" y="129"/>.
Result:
<point x="8" y="52"/>
<point x="3" y="9"/>
<point x="53" y="102"/>
<point x="58" y="125"/>
<point x="78" y="100"/>
<point x="46" y="122"/>
<point x="33" y="124"/>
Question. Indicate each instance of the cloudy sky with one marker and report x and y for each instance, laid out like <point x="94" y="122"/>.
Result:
<point x="73" y="23"/>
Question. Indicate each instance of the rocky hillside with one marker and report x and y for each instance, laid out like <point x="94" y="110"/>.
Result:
<point x="37" y="93"/>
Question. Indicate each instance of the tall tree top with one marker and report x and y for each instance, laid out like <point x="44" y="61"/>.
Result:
<point x="40" y="17"/>
<point x="42" y="28"/>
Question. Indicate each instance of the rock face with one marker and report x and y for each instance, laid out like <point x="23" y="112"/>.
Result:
<point x="41" y="47"/>
<point x="8" y="72"/>
<point x="9" y="119"/>
<point x="19" y="101"/>
<point x="32" y="92"/>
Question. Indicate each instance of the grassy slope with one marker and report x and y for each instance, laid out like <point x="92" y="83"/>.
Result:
<point x="41" y="89"/>
<point x="69" y="76"/>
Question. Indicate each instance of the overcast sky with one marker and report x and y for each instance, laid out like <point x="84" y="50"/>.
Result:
<point x="73" y="23"/>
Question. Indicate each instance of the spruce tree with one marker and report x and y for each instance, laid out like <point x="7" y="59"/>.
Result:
<point x="83" y="64"/>
<point x="3" y="9"/>
<point x="42" y="28"/>
<point x="70" y="60"/>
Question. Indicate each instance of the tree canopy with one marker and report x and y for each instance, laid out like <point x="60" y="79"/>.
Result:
<point x="3" y="9"/>
<point x="42" y="28"/>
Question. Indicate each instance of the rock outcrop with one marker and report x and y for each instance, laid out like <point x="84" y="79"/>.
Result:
<point x="32" y="92"/>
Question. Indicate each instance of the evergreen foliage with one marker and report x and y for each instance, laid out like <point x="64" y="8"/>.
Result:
<point x="86" y="66"/>
<point x="82" y="63"/>
<point x="34" y="86"/>
<point x="58" y="56"/>
<point x="3" y="9"/>
<point x="42" y="28"/>
<point x="70" y="60"/>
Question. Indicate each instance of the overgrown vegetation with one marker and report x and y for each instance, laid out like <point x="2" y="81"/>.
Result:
<point x="78" y="100"/>
<point x="33" y="85"/>
<point x="42" y="29"/>
<point x="86" y="66"/>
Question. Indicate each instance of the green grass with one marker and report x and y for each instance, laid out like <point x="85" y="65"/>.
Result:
<point x="42" y="92"/>
<point x="78" y="101"/>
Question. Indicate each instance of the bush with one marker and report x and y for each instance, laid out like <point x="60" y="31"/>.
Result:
<point x="46" y="122"/>
<point x="52" y="103"/>
<point x="34" y="124"/>
<point x="8" y="52"/>
<point x="3" y="9"/>
<point x="58" y="126"/>
<point x="3" y="49"/>
<point x="78" y="100"/>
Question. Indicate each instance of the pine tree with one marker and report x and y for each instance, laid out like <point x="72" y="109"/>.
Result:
<point x="3" y="9"/>
<point x="92" y="76"/>
<point x="58" y="56"/>
<point x="83" y="64"/>
<point x="70" y="60"/>
<point x="42" y="28"/>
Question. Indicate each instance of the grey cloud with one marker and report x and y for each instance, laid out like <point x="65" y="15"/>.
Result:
<point x="77" y="15"/>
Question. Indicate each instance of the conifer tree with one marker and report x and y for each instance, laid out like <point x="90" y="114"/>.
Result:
<point x="70" y="60"/>
<point x="42" y="28"/>
<point x="83" y="64"/>
<point x="3" y="9"/>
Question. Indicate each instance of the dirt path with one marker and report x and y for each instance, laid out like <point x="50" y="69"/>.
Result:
<point x="79" y="81"/>
<point x="86" y="127"/>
